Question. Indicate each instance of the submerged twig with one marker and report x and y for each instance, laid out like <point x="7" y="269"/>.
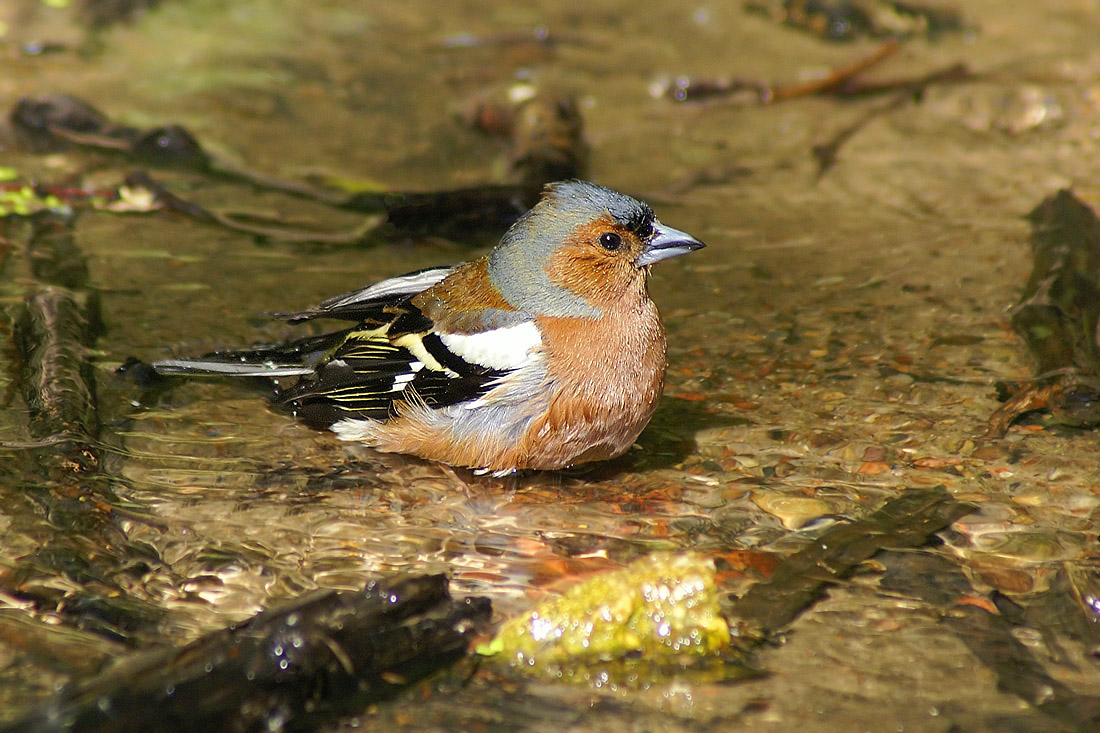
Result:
<point x="288" y="669"/>
<point x="52" y="336"/>
<point x="56" y="378"/>
<point x="990" y="625"/>
<point x="845" y="20"/>
<point x="908" y="90"/>
<point x="87" y="549"/>
<point x="1057" y="317"/>
<point x="992" y="640"/>
<point x="190" y="209"/>
<point x="53" y="122"/>
<point x="844" y="82"/>
<point x="826" y="153"/>
<point x="835" y="81"/>
<point x="545" y="139"/>
<point x="839" y="81"/>
<point x="907" y="521"/>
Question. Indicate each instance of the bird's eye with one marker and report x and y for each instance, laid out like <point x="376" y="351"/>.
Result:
<point x="611" y="241"/>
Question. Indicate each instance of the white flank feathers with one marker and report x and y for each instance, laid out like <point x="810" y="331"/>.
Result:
<point x="501" y="348"/>
<point x="353" y="429"/>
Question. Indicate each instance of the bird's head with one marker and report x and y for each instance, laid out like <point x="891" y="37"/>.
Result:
<point x="580" y="249"/>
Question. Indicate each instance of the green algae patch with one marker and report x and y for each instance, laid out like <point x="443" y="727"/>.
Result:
<point x="26" y="201"/>
<point x="659" y="610"/>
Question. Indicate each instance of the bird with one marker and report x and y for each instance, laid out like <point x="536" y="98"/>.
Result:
<point x="544" y="354"/>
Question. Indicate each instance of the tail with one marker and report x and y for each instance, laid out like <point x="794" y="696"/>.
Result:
<point x="294" y="359"/>
<point x="213" y="366"/>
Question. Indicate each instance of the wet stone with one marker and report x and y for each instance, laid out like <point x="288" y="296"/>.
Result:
<point x="793" y="511"/>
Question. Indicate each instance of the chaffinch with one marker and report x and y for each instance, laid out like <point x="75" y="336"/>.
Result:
<point x="545" y="353"/>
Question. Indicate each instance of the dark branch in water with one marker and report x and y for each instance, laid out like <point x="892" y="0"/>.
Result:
<point x="544" y="135"/>
<point x="1057" y="317"/>
<point x="289" y="668"/>
<point x="908" y="521"/>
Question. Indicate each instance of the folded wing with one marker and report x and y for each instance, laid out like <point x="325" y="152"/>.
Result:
<point x="392" y="355"/>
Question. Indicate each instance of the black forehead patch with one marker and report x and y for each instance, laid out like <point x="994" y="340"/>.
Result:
<point x="635" y="216"/>
<point x="588" y="199"/>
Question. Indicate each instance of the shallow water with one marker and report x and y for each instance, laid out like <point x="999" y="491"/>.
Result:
<point x="836" y="343"/>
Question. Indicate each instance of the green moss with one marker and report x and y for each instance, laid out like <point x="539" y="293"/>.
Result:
<point x="26" y="201"/>
<point x="657" y="609"/>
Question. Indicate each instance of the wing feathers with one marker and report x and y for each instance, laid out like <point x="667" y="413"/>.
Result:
<point x="392" y="356"/>
<point x="370" y="302"/>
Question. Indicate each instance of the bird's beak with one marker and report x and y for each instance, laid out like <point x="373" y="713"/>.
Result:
<point x="667" y="242"/>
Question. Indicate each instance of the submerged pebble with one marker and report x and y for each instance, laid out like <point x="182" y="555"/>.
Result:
<point x="1031" y="547"/>
<point x="794" y="512"/>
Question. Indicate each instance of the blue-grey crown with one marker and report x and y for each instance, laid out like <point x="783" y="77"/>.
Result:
<point x="584" y="199"/>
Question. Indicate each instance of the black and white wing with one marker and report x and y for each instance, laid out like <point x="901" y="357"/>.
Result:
<point x="373" y="305"/>
<point x="406" y="360"/>
<point x="393" y="355"/>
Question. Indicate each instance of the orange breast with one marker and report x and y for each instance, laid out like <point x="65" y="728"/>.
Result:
<point x="607" y="375"/>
